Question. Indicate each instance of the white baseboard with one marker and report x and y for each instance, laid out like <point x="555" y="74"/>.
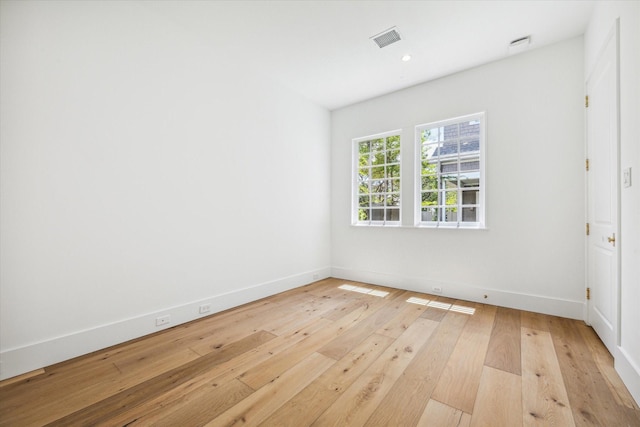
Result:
<point x="629" y="373"/>
<point x="528" y="302"/>
<point x="24" y="359"/>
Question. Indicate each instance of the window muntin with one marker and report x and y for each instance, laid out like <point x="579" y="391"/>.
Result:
<point x="450" y="178"/>
<point x="377" y="180"/>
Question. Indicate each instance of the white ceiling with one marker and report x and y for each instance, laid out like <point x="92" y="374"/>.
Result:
<point x="322" y="49"/>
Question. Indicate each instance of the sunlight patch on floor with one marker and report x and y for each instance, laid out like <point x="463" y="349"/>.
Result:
<point x="362" y="290"/>
<point x="442" y="306"/>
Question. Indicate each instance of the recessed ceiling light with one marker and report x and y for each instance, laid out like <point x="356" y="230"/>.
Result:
<point x="406" y="58"/>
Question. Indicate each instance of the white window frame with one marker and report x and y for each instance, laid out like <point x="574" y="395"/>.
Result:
<point x="355" y="202"/>
<point x="480" y="202"/>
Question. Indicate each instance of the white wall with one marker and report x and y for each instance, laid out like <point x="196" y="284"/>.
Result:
<point x="531" y="256"/>
<point x="627" y="360"/>
<point x="143" y="174"/>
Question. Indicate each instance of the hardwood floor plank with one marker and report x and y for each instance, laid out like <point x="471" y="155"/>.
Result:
<point x="604" y="361"/>
<point x="363" y="396"/>
<point x="460" y="379"/>
<point x="340" y="346"/>
<point x="499" y="401"/>
<point x="535" y="321"/>
<point x="346" y="307"/>
<point x="591" y="400"/>
<point x="185" y="405"/>
<point x="262" y="403"/>
<point x="434" y="314"/>
<point x="261" y="374"/>
<point x="147" y="390"/>
<point x="504" y="346"/>
<point x="405" y="403"/>
<point x="223" y="373"/>
<point x="544" y="396"/>
<point x="402" y="321"/>
<point x="305" y="407"/>
<point x="22" y="378"/>
<point x="278" y="348"/>
<point x="441" y="415"/>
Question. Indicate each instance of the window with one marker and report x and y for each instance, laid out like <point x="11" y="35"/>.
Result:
<point x="376" y="185"/>
<point x="450" y="182"/>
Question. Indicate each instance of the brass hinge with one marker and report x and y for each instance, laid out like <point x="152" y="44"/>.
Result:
<point x="586" y="101"/>
<point x="586" y="164"/>
<point x="588" y="293"/>
<point x="587" y="229"/>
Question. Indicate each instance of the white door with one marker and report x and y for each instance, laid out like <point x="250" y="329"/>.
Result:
<point x="602" y="193"/>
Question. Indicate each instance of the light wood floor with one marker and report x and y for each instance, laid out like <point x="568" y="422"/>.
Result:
<point x="320" y="355"/>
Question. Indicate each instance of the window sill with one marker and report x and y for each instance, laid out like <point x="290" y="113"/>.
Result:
<point x="421" y="227"/>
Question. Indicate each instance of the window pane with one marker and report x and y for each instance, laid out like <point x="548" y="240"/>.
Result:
<point x="377" y="200"/>
<point x="449" y="149"/>
<point x="363" y="189"/>
<point x="470" y="165"/>
<point x="377" y="145"/>
<point x="429" y="198"/>
<point x="470" y="128"/>
<point x="430" y="151"/>
<point x="450" y="215"/>
<point x="451" y="198"/>
<point x="393" y="156"/>
<point x="450" y="132"/>
<point x="429" y="214"/>
<point x="393" y="142"/>
<point x="470" y="197"/>
<point x="395" y="184"/>
<point x="377" y="158"/>
<point x="393" y="200"/>
<point x="379" y="186"/>
<point x="377" y="172"/>
<point x="469" y="215"/>
<point x="377" y="214"/>
<point x="429" y="168"/>
<point x="429" y="182"/>
<point x="393" y="215"/>
<point x="470" y="145"/>
<point x="363" y="147"/>
<point x="449" y="167"/>
<point x="364" y="201"/>
<point x="450" y="181"/>
<point x="470" y="179"/>
<point x="430" y="135"/>
<point x="363" y="214"/>
<point x="393" y="171"/>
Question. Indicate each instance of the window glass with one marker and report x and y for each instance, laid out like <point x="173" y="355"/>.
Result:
<point x="377" y="183"/>
<point x="449" y="186"/>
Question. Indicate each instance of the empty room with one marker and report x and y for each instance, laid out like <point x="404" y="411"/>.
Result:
<point x="296" y="213"/>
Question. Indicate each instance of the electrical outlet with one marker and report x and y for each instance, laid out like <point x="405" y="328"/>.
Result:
<point x="163" y="320"/>
<point x="205" y="308"/>
<point x="437" y="289"/>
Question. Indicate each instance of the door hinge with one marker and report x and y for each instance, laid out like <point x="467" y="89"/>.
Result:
<point x="586" y="164"/>
<point x="587" y="229"/>
<point x="586" y="101"/>
<point x="588" y="293"/>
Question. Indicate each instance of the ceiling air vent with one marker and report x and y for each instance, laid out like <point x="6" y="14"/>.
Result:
<point x="518" y="45"/>
<point x="387" y="37"/>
